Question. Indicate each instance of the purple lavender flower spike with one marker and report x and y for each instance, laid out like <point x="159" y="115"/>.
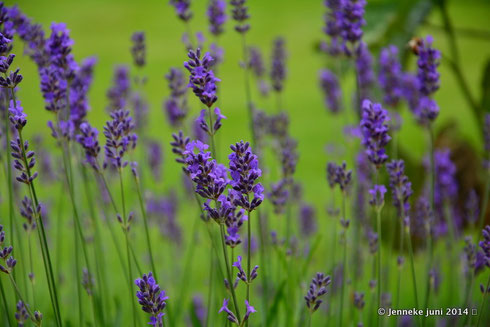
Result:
<point x="373" y="241"/>
<point x="470" y="255"/>
<point x="18" y="119"/>
<point x="244" y="170"/>
<point x="21" y="315"/>
<point x="217" y="16"/>
<point x="343" y="177"/>
<point x="377" y="196"/>
<point x="151" y="299"/>
<point x="241" y="273"/>
<point x="352" y="22"/>
<point x="390" y="75"/>
<point x="365" y="74"/>
<point x="240" y="15"/>
<point x="182" y="9"/>
<point x="138" y="50"/>
<point x="279" y="196"/>
<point x="427" y="63"/>
<point x="331" y="89"/>
<point x="88" y="139"/>
<point x="426" y="111"/>
<point x="179" y="146"/>
<point x="331" y="171"/>
<point x="24" y="161"/>
<point x="485" y="245"/>
<point x="30" y="213"/>
<point x="155" y="158"/>
<point x="202" y="79"/>
<point x="6" y="255"/>
<point x="318" y="288"/>
<point x="59" y="47"/>
<point x="307" y="220"/>
<point x="249" y="311"/>
<point x="199" y="309"/>
<point x="375" y="132"/>
<point x="401" y="187"/>
<point x="119" y="138"/>
<point x="278" y="65"/>
<point x="5" y="63"/>
<point x="359" y="300"/>
<point x="176" y="105"/>
<point x="333" y="27"/>
<point x="79" y="88"/>
<point x="472" y="207"/>
<point x="119" y="91"/>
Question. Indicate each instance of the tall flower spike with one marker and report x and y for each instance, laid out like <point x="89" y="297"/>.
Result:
<point x="240" y="15"/>
<point x="333" y="26"/>
<point x="427" y="63"/>
<point x="352" y="22"/>
<point x="216" y="16"/>
<point x="138" y="50"/>
<point x="88" y="139"/>
<point x="175" y="106"/>
<point x="390" y="75"/>
<point x="307" y="220"/>
<point x="244" y="170"/>
<point x="182" y="8"/>
<point x="331" y="90"/>
<point x="119" y="137"/>
<point x="79" y="88"/>
<point x="401" y="187"/>
<point x="484" y="244"/>
<point x="365" y="74"/>
<point x="343" y="177"/>
<point x="374" y="129"/>
<point x="6" y="255"/>
<point x="119" y="91"/>
<point x="151" y="299"/>
<point x="202" y="79"/>
<point x="318" y="288"/>
<point x="278" y="65"/>
<point x="24" y="161"/>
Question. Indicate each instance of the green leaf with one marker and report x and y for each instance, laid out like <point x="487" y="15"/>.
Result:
<point x="275" y="304"/>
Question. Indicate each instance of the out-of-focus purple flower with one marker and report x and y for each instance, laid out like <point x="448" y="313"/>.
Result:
<point x="164" y="210"/>
<point x="427" y="63"/>
<point x="217" y="53"/>
<point x="307" y="220"/>
<point x="390" y="75"/>
<point x="352" y="22"/>
<point x="333" y="27"/>
<point x="88" y="281"/>
<point x="138" y="50"/>
<point x="318" y="288"/>
<point x="446" y="186"/>
<point x="119" y="92"/>
<point x="5" y="255"/>
<point x="216" y="16"/>
<point x="119" y="138"/>
<point x="401" y="187"/>
<point x="175" y="106"/>
<point x="375" y="132"/>
<point x="151" y="299"/>
<point x="244" y="170"/>
<point x="331" y="89"/>
<point x="155" y="158"/>
<point x="21" y="315"/>
<point x="79" y="87"/>
<point x="343" y="177"/>
<point x="279" y="195"/>
<point x="373" y="241"/>
<point x="240" y="15"/>
<point x="198" y="309"/>
<point x="255" y="62"/>
<point x="472" y="207"/>
<point x="278" y="65"/>
<point x="331" y="171"/>
<point x="359" y="300"/>
<point x="289" y="157"/>
<point x="470" y="255"/>
<point x="410" y="90"/>
<point x="140" y="110"/>
<point x="30" y="213"/>
<point x="201" y="78"/>
<point x="485" y="244"/>
<point x="182" y="8"/>
<point x="377" y="196"/>
<point x="426" y="111"/>
<point x="364" y="71"/>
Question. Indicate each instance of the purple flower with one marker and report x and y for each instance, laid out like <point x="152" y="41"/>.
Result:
<point x="255" y="61"/>
<point x="241" y="274"/>
<point x="352" y="21"/>
<point x="119" y="138"/>
<point x="88" y="139"/>
<point x="216" y="16"/>
<point x="230" y="315"/>
<point x="5" y="63"/>
<point x="374" y="129"/>
<point x="244" y="170"/>
<point x="365" y="73"/>
<point x="446" y="186"/>
<point x="331" y="89"/>
<point x="151" y="299"/>
<point x="377" y="196"/>
<point x="318" y="288"/>
<point x="30" y="213"/>
<point x="202" y="79"/>
<point x="359" y="300"/>
<point x="373" y="241"/>
<point x="470" y="254"/>
<point x="138" y="50"/>
<point x="343" y="177"/>
<point x="333" y="26"/>
<point x="234" y="220"/>
<point x="427" y="63"/>
<point x="279" y="195"/>
<point x="155" y="158"/>
<point x="182" y="8"/>
<point x="210" y="177"/>
<point x="58" y="46"/>
<point x="199" y="309"/>
<point x="486" y="132"/>
<point x="24" y="161"/>
<point x="249" y="310"/>
<point x="5" y="255"/>
<point x="307" y="220"/>
<point x="179" y="146"/>
<point x="17" y="117"/>
<point x="484" y="244"/>
<point x="426" y="111"/>
<point x="164" y="209"/>
<point x="119" y="91"/>
<point x="401" y="187"/>
<point x="289" y="157"/>
<point x="278" y="66"/>
<point x="79" y="88"/>
<point x="176" y="105"/>
<point x="203" y="118"/>
<point x="240" y="15"/>
<point x="390" y="75"/>
<point x="472" y="207"/>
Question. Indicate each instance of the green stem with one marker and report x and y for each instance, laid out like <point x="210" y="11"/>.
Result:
<point x="344" y="264"/>
<point x="17" y="291"/>
<point x="249" y="257"/>
<point x="5" y="304"/>
<point x="378" y="224"/>
<point x="480" y="312"/>
<point x="228" y="271"/>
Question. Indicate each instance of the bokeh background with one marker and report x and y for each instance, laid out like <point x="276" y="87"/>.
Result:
<point x="103" y="28"/>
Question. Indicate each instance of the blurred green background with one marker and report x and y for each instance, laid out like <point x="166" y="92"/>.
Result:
<point x="103" y="28"/>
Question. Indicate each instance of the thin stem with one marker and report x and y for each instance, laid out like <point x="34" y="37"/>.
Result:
<point x="5" y="304"/>
<point x="145" y="223"/>
<point x="228" y="271"/>
<point x="412" y="266"/>
<point x="249" y="257"/>
<point x="378" y="224"/>
<point x="17" y="291"/>
<point x="31" y="266"/>
<point x="344" y="263"/>
<point x="480" y="312"/>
